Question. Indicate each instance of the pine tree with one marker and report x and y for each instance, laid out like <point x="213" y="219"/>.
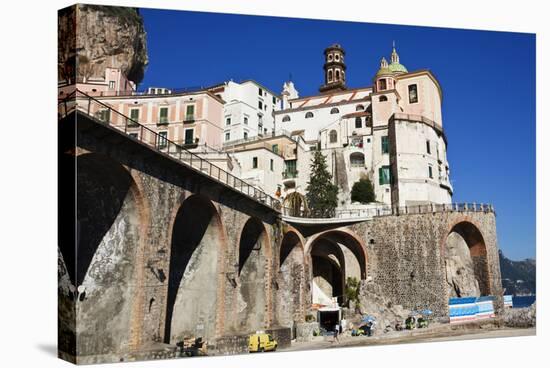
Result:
<point x="322" y="195"/>
<point x="363" y="191"/>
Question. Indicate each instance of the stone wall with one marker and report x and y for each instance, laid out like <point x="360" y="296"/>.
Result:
<point x="407" y="256"/>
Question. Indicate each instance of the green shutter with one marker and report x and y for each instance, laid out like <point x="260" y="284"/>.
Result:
<point x="385" y="144"/>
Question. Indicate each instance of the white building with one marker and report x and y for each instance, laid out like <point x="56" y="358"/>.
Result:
<point x="272" y="163"/>
<point x="390" y="132"/>
<point x="248" y="110"/>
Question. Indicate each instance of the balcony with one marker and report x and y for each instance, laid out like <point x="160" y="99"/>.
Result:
<point x="289" y="178"/>
<point x="163" y="121"/>
<point x="189" y="119"/>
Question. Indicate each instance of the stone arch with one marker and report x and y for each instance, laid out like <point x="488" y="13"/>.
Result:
<point x="254" y="286"/>
<point x="197" y="243"/>
<point x="465" y="260"/>
<point x="349" y="244"/>
<point x="111" y="221"/>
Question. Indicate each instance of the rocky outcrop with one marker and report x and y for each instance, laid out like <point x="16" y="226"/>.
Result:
<point x="520" y="317"/>
<point x="93" y="37"/>
<point x="459" y="267"/>
<point x="372" y="303"/>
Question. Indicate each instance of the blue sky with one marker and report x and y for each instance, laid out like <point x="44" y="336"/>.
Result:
<point x="488" y="81"/>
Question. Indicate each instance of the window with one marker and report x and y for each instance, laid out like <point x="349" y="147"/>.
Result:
<point x="189" y="136"/>
<point x="260" y="92"/>
<point x="384" y="175"/>
<point x="428" y="150"/>
<point x="163" y="115"/>
<point x="359" y="108"/>
<point x="290" y="169"/>
<point x="333" y="136"/>
<point x="275" y="148"/>
<point x="385" y="144"/>
<point x="228" y="121"/>
<point x="330" y="75"/>
<point x="274" y="100"/>
<point x="162" y="139"/>
<point x="246" y="120"/>
<point x="260" y="105"/>
<point x="358" y="122"/>
<point x="111" y="85"/>
<point x="104" y="115"/>
<point x="245" y="135"/>
<point x="227" y="136"/>
<point x="134" y="115"/>
<point x="329" y="57"/>
<point x="309" y="115"/>
<point x="430" y="172"/>
<point x="286" y="118"/>
<point x="382" y="99"/>
<point x="254" y="162"/>
<point x="337" y="75"/>
<point x="357" y="159"/>
<point x="334" y="110"/>
<point x="271" y="164"/>
<point x="382" y="84"/>
<point x="134" y="135"/>
<point x="336" y="57"/>
<point x="190" y="113"/>
<point x="413" y="93"/>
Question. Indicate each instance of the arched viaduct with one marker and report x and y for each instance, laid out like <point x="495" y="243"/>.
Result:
<point x="161" y="252"/>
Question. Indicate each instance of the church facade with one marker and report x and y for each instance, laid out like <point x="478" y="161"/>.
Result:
<point x="390" y="132"/>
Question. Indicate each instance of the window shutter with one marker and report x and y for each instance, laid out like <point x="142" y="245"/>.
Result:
<point x="380" y="176"/>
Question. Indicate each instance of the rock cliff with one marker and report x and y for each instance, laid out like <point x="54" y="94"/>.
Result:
<point x="93" y="37"/>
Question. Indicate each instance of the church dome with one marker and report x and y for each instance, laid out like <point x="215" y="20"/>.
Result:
<point x="383" y="71"/>
<point x="397" y="68"/>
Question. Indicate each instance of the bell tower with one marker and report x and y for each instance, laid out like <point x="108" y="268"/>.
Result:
<point x="335" y="69"/>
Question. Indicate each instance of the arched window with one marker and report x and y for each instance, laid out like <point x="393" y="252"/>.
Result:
<point x="309" y="115"/>
<point x="334" y="110"/>
<point x="337" y="74"/>
<point x="383" y="98"/>
<point x="357" y="159"/>
<point x="333" y="136"/>
<point x="359" y="108"/>
<point x="358" y="122"/>
<point x="330" y="75"/>
<point x="286" y="118"/>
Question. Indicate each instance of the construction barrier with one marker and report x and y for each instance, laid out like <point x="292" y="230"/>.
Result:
<point x="471" y="309"/>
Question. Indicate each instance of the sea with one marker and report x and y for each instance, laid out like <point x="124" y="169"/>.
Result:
<point x="523" y="301"/>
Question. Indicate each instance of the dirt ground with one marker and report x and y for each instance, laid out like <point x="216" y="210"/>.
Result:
<point x="441" y="333"/>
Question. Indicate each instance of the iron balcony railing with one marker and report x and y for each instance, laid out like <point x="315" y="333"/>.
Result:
<point x="290" y="174"/>
<point x="82" y="102"/>
<point x="389" y="210"/>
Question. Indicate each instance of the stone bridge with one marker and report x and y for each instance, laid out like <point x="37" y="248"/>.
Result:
<point x="161" y="251"/>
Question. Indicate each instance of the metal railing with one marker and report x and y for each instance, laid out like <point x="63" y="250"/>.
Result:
<point x="259" y="137"/>
<point x="82" y="102"/>
<point x="389" y="211"/>
<point x="290" y="174"/>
